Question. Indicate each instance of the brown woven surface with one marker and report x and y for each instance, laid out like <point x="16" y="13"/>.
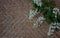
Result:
<point x="14" y="21"/>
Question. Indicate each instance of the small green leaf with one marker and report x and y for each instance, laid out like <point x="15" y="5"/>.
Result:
<point x="48" y="20"/>
<point x="34" y="5"/>
<point x="58" y="19"/>
<point x="57" y="29"/>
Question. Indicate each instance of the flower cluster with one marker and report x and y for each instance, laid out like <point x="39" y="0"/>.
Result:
<point x="32" y="13"/>
<point x="50" y="14"/>
<point x="39" y="21"/>
<point x="52" y="28"/>
<point x="38" y="2"/>
<point x="56" y="11"/>
<point x="54" y="25"/>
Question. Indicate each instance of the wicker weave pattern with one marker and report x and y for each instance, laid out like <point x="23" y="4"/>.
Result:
<point x="14" y="21"/>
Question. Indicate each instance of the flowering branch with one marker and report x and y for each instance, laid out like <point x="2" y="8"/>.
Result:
<point x="50" y="16"/>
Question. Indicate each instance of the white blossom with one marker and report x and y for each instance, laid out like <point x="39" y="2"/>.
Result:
<point x="38" y="2"/>
<point x="50" y="33"/>
<point x="55" y="16"/>
<point x="39" y="21"/>
<point x="32" y="13"/>
<point x="56" y="10"/>
<point x="58" y="25"/>
<point x="54" y="23"/>
<point x="51" y="29"/>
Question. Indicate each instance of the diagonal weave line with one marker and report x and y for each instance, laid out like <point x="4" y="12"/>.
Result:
<point x="15" y="24"/>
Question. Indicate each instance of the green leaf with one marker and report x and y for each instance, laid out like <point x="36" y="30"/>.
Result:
<point x="49" y="16"/>
<point x="58" y="19"/>
<point x="47" y="4"/>
<point x="48" y="20"/>
<point x="34" y="5"/>
<point x="51" y="4"/>
<point x="57" y="29"/>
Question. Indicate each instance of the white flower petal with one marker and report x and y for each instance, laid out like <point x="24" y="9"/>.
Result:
<point x="56" y="10"/>
<point x="52" y="30"/>
<point x="32" y="13"/>
<point x="39" y="21"/>
<point x="58" y="27"/>
<point x="38" y="2"/>
<point x="35" y="25"/>
<point x="54" y="23"/>
<point x="48" y="33"/>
